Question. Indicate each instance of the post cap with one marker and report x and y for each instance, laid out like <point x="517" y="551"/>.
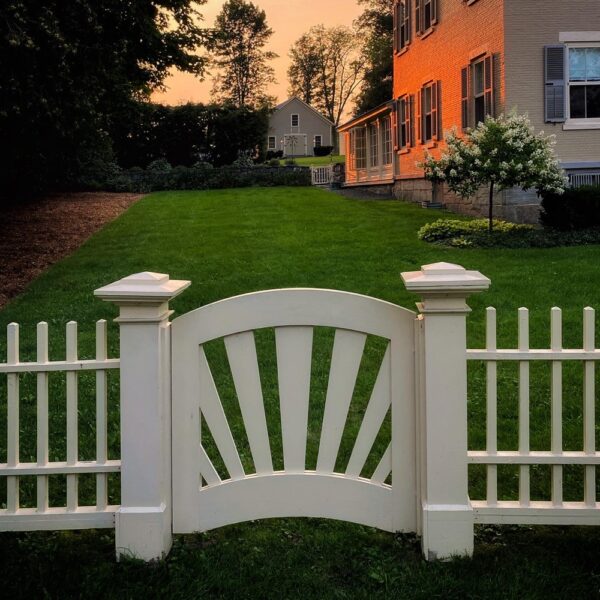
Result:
<point x="142" y="288"/>
<point x="445" y="278"/>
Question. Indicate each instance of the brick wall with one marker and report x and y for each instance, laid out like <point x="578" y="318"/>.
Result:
<point x="463" y="31"/>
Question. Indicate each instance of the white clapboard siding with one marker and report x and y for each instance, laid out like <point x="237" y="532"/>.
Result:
<point x="43" y="516"/>
<point x="527" y="511"/>
<point x="295" y="491"/>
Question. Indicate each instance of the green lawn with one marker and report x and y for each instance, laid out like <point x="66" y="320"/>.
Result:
<point x="235" y="241"/>
<point x="317" y="161"/>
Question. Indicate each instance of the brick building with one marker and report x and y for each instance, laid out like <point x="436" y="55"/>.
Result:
<point x="456" y="61"/>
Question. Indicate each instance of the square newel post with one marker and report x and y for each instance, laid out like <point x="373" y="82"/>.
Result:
<point x="447" y="515"/>
<point x="143" y="522"/>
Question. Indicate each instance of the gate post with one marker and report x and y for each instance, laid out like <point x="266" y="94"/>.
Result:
<point x="143" y="521"/>
<point x="447" y="515"/>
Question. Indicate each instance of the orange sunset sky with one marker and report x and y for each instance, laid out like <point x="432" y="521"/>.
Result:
<point x="289" y="19"/>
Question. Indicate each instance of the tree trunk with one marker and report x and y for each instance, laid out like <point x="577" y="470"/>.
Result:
<point x="491" y="208"/>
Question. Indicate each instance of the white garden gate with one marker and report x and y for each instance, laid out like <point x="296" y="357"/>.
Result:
<point x="294" y="491"/>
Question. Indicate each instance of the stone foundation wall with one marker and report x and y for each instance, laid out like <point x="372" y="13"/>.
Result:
<point x="510" y="205"/>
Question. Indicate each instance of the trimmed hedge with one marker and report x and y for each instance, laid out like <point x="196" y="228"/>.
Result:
<point x="474" y="234"/>
<point x="576" y="209"/>
<point x="322" y="150"/>
<point x="160" y="176"/>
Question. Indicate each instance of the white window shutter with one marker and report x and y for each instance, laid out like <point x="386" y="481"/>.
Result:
<point x="555" y="83"/>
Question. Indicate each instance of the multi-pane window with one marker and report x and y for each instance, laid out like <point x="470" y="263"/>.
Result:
<point x="404" y="117"/>
<point x="386" y="125"/>
<point x="272" y="142"/>
<point x="426" y="14"/>
<point x="295" y="120"/>
<point x="584" y="83"/>
<point x="318" y="141"/>
<point x="373" y="145"/>
<point x="477" y="91"/>
<point x="360" y="147"/>
<point x="402" y="24"/>
<point x="429" y="111"/>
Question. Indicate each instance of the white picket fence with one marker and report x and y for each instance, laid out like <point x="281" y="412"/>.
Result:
<point x="524" y="510"/>
<point x="169" y="482"/>
<point x="43" y="516"/>
<point x="322" y="175"/>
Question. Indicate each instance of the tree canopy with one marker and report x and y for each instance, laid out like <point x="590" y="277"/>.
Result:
<point x="237" y="43"/>
<point x="376" y="25"/>
<point x="67" y="68"/>
<point x="326" y="67"/>
<point x="501" y="153"/>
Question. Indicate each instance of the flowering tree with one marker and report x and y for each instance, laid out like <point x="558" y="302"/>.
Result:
<point x="502" y="153"/>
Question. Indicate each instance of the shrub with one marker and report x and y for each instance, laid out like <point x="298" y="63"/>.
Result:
<point x="273" y="162"/>
<point x="322" y="150"/>
<point x="475" y="234"/>
<point x="290" y="162"/>
<point x="204" y="176"/>
<point x="271" y="154"/>
<point x="576" y="209"/>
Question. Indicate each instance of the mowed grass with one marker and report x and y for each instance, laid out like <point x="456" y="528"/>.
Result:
<point x="236" y="241"/>
<point x="317" y="161"/>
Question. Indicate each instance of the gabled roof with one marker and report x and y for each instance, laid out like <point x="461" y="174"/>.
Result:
<point x="289" y="100"/>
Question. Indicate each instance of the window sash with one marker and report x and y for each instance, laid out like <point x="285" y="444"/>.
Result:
<point x="387" y="140"/>
<point x="272" y="143"/>
<point x="373" y="145"/>
<point x="295" y="120"/>
<point x="361" y="148"/>
<point x="318" y="141"/>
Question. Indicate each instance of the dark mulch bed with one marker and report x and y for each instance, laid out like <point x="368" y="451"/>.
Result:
<point x="38" y="233"/>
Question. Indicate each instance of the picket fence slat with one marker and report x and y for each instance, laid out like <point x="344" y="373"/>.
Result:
<point x="524" y="474"/>
<point x="42" y="416"/>
<point x="556" y="429"/>
<point x="72" y="425"/>
<point x="12" y="483"/>
<point x="101" y="415"/>
<point x="589" y="408"/>
<point x="492" y="406"/>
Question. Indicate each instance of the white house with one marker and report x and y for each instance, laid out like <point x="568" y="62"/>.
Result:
<point x="297" y="129"/>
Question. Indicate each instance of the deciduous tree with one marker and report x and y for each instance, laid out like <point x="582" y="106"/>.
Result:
<point x="66" y="68"/>
<point x="330" y="59"/>
<point x="501" y="153"/>
<point x="238" y="43"/>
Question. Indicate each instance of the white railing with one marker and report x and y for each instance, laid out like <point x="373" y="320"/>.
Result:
<point x="321" y="175"/>
<point x="526" y="510"/>
<point x="580" y="179"/>
<point x="44" y="516"/>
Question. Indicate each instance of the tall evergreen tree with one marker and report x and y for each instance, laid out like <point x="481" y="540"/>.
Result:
<point x="377" y="26"/>
<point x="238" y="43"/>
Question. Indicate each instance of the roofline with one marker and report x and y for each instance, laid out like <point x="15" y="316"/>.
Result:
<point x="286" y="102"/>
<point x="382" y="108"/>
